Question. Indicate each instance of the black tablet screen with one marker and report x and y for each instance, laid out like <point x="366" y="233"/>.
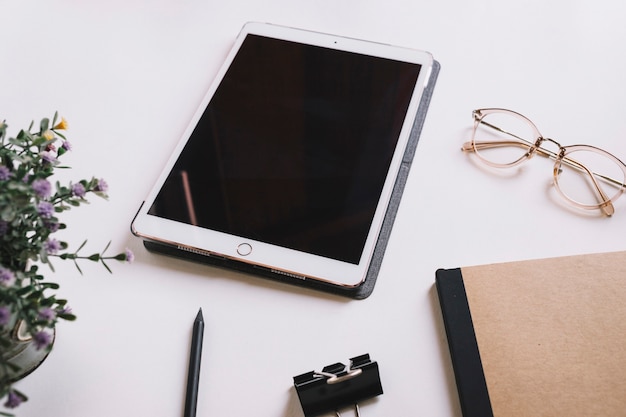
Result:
<point x="293" y="149"/>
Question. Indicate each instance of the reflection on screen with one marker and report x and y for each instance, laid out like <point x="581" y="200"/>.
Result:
<point x="293" y="148"/>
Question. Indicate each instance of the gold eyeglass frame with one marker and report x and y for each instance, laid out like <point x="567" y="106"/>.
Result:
<point x="605" y="203"/>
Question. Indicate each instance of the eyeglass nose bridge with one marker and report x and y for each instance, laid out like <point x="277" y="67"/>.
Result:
<point x="552" y="141"/>
<point x="546" y="152"/>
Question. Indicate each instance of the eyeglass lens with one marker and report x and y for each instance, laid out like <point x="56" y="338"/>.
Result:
<point x="600" y="171"/>
<point x="508" y="138"/>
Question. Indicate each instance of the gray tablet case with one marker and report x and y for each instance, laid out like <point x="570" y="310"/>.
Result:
<point x="365" y="289"/>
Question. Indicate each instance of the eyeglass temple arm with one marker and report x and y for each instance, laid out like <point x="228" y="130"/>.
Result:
<point x="605" y="202"/>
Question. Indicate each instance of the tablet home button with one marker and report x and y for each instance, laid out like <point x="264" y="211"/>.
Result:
<point x="244" y="249"/>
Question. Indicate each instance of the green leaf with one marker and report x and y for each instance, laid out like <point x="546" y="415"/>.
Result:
<point x="50" y="265"/>
<point x="81" y="246"/>
<point x="67" y="316"/>
<point x="35" y="295"/>
<point x="106" y="266"/>
<point x="24" y="290"/>
<point x="43" y="255"/>
<point x="43" y="126"/>
<point x="78" y="267"/>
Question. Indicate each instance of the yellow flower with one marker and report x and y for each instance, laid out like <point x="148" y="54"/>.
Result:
<point x="48" y="135"/>
<point x="62" y="125"/>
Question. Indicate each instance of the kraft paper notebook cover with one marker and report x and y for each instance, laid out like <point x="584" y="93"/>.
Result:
<point x="538" y="338"/>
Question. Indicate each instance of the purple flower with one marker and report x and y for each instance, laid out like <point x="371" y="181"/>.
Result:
<point x="48" y="156"/>
<point x="66" y="310"/>
<point x="4" y="227"/>
<point x="78" y="190"/>
<point x="42" y="188"/>
<point x="7" y="277"/>
<point x="45" y="209"/>
<point x="42" y="339"/>
<point x="14" y="399"/>
<point x="67" y="146"/>
<point x="5" y="315"/>
<point x="52" y="246"/>
<point x="130" y="256"/>
<point x="52" y="226"/>
<point x="102" y="186"/>
<point x="47" y="313"/>
<point x="5" y="173"/>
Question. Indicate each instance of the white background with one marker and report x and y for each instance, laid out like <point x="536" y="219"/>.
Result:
<point x="129" y="74"/>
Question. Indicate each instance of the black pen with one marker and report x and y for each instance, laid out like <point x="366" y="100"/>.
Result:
<point x="193" y="375"/>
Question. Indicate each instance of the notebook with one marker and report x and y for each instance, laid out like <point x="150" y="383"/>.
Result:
<point x="541" y="337"/>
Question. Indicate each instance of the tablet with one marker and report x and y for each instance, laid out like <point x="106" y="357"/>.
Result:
<point x="289" y="163"/>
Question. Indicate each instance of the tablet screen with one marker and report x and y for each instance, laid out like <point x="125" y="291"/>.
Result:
<point x="293" y="149"/>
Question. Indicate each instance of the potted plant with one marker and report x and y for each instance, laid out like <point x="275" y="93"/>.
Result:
<point x="30" y="207"/>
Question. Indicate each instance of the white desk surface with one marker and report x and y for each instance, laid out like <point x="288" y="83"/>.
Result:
<point x="127" y="74"/>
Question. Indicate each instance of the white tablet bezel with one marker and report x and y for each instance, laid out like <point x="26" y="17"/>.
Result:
<point x="289" y="262"/>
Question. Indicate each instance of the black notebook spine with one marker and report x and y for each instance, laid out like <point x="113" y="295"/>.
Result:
<point x="464" y="352"/>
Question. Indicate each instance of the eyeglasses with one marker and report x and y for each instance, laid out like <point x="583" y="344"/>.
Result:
<point x="586" y="176"/>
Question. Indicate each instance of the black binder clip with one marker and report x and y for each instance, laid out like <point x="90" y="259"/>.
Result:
<point x="337" y="386"/>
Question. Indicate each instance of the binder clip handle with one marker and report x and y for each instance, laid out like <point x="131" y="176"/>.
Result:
<point x="337" y="379"/>
<point x="337" y="386"/>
